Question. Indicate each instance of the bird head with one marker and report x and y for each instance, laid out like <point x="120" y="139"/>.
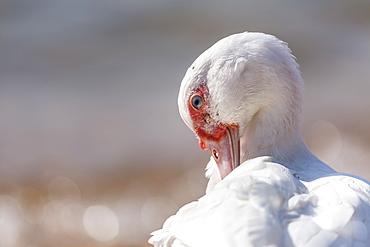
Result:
<point x="246" y="84"/>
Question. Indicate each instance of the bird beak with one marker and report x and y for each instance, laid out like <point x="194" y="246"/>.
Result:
<point x="226" y="151"/>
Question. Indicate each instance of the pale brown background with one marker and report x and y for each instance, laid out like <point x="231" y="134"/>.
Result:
<point x="92" y="149"/>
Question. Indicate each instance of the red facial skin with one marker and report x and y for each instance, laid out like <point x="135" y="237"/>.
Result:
<point x="201" y="118"/>
<point x="221" y="139"/>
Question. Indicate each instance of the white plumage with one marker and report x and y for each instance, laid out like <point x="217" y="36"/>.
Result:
<point x="250" y="93"/>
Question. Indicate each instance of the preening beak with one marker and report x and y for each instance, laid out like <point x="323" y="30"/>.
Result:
<point x="226" y="151"/>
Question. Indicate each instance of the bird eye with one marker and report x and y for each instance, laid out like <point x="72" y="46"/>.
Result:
<point x="197" y="101"/>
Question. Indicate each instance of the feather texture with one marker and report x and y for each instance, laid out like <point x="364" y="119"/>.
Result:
<point x="262" y="204"/>
<point x="281" y="194"/>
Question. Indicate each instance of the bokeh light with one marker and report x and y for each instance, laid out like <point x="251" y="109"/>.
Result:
<point x="101" y="223"/>
<point x="10" y="221"/>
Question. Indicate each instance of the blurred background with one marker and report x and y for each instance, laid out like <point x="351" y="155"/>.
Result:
<point x="92" y="149"/>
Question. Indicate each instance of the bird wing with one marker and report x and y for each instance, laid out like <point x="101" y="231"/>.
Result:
<point x="262" y="204"/>
<point x="338" y="213"/>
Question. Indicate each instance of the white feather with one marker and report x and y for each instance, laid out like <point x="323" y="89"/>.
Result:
<point x="281" y="194"/>
<point x="262" y="204"/>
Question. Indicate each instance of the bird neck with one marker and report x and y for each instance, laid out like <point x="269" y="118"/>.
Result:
<point x="280" y="139"/>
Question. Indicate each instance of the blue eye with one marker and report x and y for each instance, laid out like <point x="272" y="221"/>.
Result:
<point x="197" y="102"/>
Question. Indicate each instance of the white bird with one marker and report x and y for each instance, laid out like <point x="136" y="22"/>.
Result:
<point x="242" y="97"/>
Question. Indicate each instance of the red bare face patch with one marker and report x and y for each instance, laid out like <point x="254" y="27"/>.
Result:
<point x="199" y="115"/>
<point x="204" y="125"/>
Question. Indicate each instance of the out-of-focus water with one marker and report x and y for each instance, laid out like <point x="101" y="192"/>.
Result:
<point x="92" y="149"/>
